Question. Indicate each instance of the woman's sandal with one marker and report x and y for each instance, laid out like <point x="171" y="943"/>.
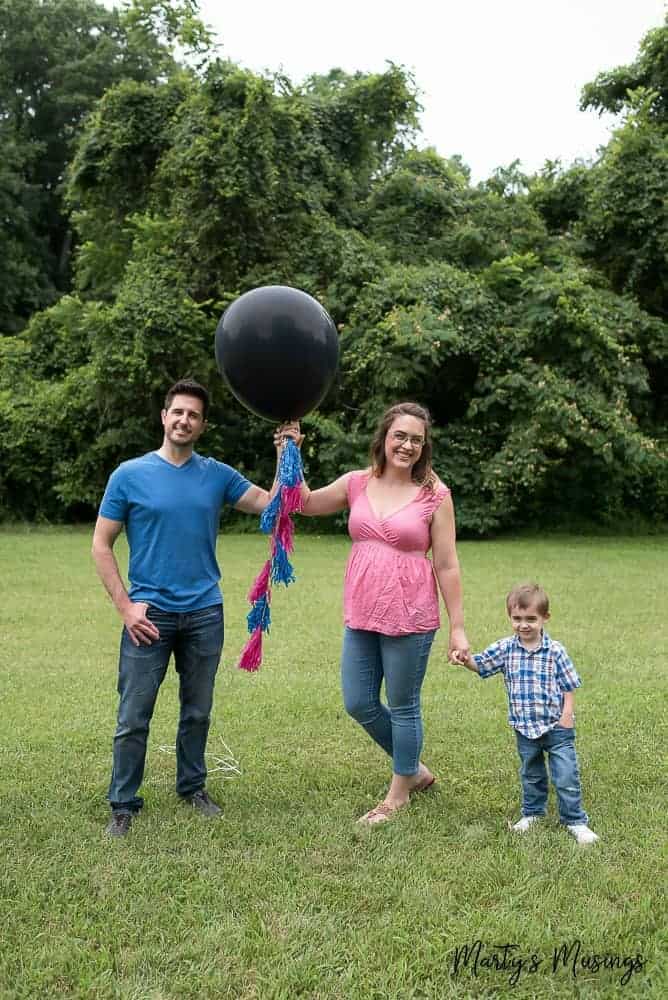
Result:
<point x="423" y="785"/>
<point x="382" y="812"/>
<point x="379" y="814"/>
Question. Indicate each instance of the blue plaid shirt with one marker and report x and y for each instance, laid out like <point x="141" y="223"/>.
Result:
<point x="535" y="681"/>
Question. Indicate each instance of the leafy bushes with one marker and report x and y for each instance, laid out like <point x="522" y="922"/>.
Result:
<point x="528" y="314"/>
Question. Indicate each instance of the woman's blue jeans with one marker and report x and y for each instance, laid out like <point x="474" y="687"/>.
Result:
<point x="367" y="659"/>
<point x="196" y="640"/>
<point x="559" y="745"/>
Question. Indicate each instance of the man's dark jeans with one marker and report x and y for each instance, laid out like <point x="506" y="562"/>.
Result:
<point x="196" y="640"/>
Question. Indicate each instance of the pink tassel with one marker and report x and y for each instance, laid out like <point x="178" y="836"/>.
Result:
<point x="261" y="583"/>
<point x="291" y="499"/>
<point x="285" y="531"/>
<point x="251" y="654"/>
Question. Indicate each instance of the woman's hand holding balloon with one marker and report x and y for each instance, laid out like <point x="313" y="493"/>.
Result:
<point x="289" y="430"/>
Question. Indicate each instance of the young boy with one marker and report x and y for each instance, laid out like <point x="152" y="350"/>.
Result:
<point x="540" y="680"/>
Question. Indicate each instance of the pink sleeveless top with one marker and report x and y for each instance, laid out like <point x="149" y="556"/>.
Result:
<point x="390" y="585"/>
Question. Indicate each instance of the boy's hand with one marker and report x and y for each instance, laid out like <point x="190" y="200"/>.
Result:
<point x="567" y="717"/>
<point x="462" y="658"/>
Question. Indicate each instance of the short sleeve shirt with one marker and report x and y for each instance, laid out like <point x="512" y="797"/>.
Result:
<point x="535" y="681"/>
<point x="171" y="515"/>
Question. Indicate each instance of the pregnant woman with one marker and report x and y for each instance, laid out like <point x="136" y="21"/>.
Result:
<point x="399" y="511"/>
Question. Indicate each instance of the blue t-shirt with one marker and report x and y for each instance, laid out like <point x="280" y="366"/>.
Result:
<point x="171" y="515"/>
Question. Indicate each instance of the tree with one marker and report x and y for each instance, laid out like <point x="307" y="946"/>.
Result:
<point x="25" y="285"/>
<point x="229" y="187"/>
<point x="533" y="379"/>
<point x="612" y="90"/>
<point x="57" y="57"/>
<point x="244" y="174"/>
<point x="560" y="195"/>
<point x="616" y="211"/>
<point x="625" y="221"/>
<point x="537" y="362"/>
<point x="411" y="209"/>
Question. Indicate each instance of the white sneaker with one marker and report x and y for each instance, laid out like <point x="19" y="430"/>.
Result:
<point x="582" y="833"/>
<point x="523" y="824"/>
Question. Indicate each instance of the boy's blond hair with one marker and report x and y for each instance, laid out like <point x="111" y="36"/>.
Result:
<point x="526" y="595"/>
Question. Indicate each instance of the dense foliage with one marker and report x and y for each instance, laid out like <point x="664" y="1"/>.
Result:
<point x="528" y="313"/>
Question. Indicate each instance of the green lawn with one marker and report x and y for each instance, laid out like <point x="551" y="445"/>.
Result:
<point x="284" y="896"/>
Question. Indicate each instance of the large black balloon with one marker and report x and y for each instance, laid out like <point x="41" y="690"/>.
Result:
<point x="278" y="351"/>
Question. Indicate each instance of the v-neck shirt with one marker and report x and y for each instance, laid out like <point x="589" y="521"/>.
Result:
<point x="390" y="585"/>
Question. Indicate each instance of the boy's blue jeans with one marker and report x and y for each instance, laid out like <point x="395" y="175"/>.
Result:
<point x="367" y="659"/>
<point x="559" y="745"/>
<point x="196" y="640"/>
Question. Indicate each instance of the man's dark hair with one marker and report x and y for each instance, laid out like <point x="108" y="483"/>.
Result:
<point x="188" y="387"/>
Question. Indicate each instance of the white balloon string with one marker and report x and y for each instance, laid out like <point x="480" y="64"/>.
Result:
<point x="227" y="764"/>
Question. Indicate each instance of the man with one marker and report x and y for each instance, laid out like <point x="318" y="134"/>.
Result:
<point x="169" y="501"/>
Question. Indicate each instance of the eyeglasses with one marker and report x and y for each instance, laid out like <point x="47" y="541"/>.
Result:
<point x="401" y="438"/>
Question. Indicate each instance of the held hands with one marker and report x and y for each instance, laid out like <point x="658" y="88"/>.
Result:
<point x="285" y="431"/>
<point x="141" y="630"/>
<point x="459" y="651"/>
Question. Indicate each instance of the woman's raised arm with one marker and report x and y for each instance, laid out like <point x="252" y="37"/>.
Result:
<point x="327" y="500"/>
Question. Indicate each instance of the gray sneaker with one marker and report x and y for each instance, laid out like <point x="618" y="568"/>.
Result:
<point x="524" y="824"/>
<point x="119" y="824"/>
<point x="582" y="833"/>
<point x="203" y="804"/>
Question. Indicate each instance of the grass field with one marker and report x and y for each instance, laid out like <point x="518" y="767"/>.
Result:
<point x="284" y="896"/>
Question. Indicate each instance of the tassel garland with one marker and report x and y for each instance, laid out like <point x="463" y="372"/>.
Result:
<point x="275" y="521"/>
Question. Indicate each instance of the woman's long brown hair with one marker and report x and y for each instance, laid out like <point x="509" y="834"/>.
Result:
<point x="421" y="472"/>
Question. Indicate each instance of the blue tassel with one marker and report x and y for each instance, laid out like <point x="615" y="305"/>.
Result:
<point x="290" y="470"/>
<point x="270" y="513"/>
<point x="259" y="616"/>
<point x="281" y="567"/>
<point x="290" y="473"/>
